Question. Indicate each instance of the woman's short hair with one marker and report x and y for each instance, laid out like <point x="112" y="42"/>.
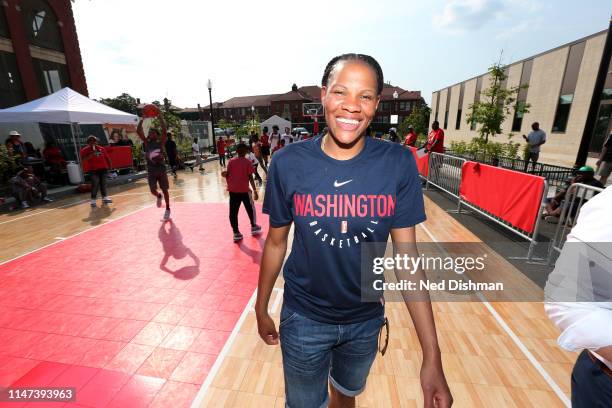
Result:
<point x="366" y="59"/>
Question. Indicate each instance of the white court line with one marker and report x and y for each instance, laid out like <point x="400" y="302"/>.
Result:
<point x="277" y="300"/>
<point x="219" y="361"/>
<point x="536" y="364"/>
<point x="74" y="235"/>
<point x="60" y="239"/>
<point x="87" y="200"/>
<point x="44" y="211"/>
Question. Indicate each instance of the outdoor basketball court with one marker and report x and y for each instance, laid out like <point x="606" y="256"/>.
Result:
<point x="133" y="312"/>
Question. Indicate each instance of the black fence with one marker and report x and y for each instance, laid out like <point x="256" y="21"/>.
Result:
<point x="555" y="175"/>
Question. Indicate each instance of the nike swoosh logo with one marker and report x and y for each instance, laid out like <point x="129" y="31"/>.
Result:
<point x="336" y="184"/>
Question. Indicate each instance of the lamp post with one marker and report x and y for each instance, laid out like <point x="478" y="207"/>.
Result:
<point x="212" y="118"/>
<point x="395" y="96"/>
<point x="253" y="114"/>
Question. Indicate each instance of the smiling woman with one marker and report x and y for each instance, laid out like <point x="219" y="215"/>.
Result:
<point x="357" y="190"/>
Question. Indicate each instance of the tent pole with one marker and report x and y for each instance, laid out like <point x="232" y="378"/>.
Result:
<point x="76" y="148"/>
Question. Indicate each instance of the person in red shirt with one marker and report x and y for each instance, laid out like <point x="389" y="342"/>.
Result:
<point x="239" y="174"/>
<point x="221" y="150"/>
<point x="265" y="145"/>
<point x="411" y="137"/>
<point x="99" y="163"/>
<point x="435" y="139"/>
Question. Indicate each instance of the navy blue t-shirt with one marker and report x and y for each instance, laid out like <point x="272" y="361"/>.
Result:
<point x="336" y="205"/>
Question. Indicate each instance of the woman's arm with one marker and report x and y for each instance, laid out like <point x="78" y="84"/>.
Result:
<point x="435" y="389"/>
<point x="271" y="262"/>
<point x="140" y="131"/>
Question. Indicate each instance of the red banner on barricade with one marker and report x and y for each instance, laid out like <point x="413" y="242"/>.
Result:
<point x="422" y="163"/>
<point x="121" y="157"/>
<point x="510" y="195"/>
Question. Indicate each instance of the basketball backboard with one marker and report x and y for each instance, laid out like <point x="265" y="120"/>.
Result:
<point x="312" y="109"/>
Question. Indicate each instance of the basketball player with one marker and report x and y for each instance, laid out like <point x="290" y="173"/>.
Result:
<point x="156" y="168"/>
<point x="328" y="336"/>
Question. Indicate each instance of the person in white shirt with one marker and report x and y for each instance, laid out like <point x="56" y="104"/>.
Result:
<point x="296" y="136"/>
<point x="274" y="137"/>
<point x="579" y="301"/>
<point x="255" y="162"/>
<point x="195" y="149"/>
<point x="287" y="136"/>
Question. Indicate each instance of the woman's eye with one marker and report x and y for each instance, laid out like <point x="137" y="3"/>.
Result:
<point x="339" y="92"/>
<point x="367" y="97"/>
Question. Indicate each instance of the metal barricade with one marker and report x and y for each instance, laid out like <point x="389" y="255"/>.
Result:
<point x="575" y="197"/>
<point x="445" y="173"/>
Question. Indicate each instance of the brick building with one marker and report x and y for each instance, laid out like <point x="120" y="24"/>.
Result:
<point x="39" y="50"/>
<point x="394" y="101"/>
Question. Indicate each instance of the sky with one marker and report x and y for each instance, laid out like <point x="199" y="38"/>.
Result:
<point x="153" y="49"/>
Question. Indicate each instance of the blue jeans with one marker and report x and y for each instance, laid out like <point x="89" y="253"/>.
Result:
<point x="315" y="351"/>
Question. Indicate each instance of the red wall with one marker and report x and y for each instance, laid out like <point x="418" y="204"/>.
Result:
<point x="63" y="12"/>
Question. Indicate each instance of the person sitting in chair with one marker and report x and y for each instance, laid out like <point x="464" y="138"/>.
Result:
<point x="27" y="188"/>
<point x="554" y="207"/>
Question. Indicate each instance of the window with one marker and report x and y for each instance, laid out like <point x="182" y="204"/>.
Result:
<point x="477" y="98"/>
<point x="448" y="98"/>
<point x="405" y="106"/>
<point x="52" y="76"/>
<point x="386" y="119"/>
<point x="385" y="106"/>
<point x="600" y="133"/>
<point x="41" y="25"/>
<point x="517" y="121"/>
<point x="562" y="115"/>
<point x="11" y="89"/>
<point x="437" y="105"/>
<point x="460" y="107"/>
<point x="570" y="78"/>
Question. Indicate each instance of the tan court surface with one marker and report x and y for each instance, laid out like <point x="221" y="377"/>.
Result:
<point x="494" y="354"/>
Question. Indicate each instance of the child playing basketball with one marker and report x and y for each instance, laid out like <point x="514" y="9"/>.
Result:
<point x="156" y="168"/>
<point x="239" y="174"/>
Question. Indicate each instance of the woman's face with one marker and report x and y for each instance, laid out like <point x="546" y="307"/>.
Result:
<point x="350" y="100"/>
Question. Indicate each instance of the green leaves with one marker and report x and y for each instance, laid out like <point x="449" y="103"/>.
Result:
<point x="418" y="118"/>
<point x="495" y="104"/>
<point x="124" y="102"/>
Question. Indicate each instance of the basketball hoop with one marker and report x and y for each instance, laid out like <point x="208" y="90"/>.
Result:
<point x="313" y="110"/>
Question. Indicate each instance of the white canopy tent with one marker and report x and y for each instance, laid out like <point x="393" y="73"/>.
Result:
<point x="66" y="106"/>
<point x="275" y="120"/>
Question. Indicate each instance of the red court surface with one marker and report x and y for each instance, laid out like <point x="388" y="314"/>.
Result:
<point x="132" y="313"/>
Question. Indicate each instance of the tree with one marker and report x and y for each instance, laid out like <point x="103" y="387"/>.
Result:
<point x="418" y="119"/>
<point x="124" y="102"/>
<point x="495" y="105"/>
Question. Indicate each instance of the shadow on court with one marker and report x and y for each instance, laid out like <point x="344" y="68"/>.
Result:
<point x="172" y="242"/>
<point x="254" y="254"/>
<point x="98" y="214"/>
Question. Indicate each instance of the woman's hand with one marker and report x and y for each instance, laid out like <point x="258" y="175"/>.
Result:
<point x="267" y="329"/>
<point x="436" y="393"/>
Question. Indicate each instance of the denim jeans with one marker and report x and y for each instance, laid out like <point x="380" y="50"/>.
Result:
<point x="314" y="352"/>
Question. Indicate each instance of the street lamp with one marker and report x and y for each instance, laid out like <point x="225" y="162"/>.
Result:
<point x="253" y="114"/>
<point x="395" y="96"/>
<point x="212" y="118"/>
